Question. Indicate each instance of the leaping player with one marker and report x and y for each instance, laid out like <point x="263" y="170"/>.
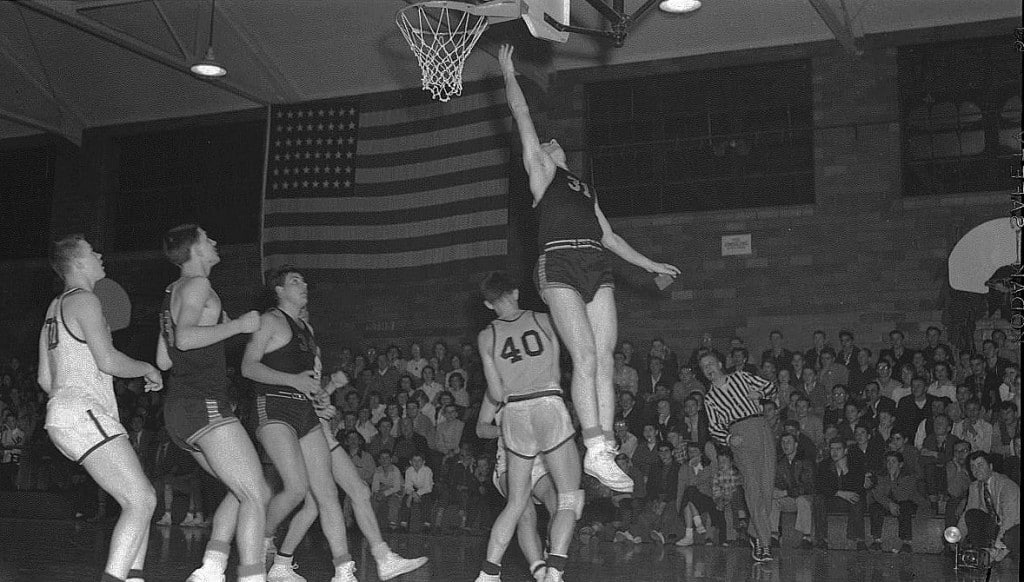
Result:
<point x="77" y="362"/>
<point x="282" y="359"/>
<point x="574" y="277"/>
<point x="519" y="352"/>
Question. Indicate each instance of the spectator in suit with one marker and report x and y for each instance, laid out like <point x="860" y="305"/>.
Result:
<point x="776" y="352"/>
<point x="992" y="516"/>
<point x="861" y="372"/>
<point x="174" y="470"/>
<point x="874" y="402"/>
<point x="651" y="378"/>
<point x="669" y="359"/>
<point x="812" y="356"/>
<point x="663" y="477"/>
<point x="897" y="354"/>
<point x="794" y="490"/>
<point x="796" y="368"/>
<point x="984" y="384"/>
<point x="885" y="426"/>
<point x="839" y="488"/>
<point x="851" y="420"/>
<point x="894" y="494"/>
<point x="847" y="354"/>
<point x="631" y="414"/>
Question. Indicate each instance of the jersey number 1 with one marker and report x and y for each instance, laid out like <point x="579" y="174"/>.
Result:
<point x="532" y="345"/>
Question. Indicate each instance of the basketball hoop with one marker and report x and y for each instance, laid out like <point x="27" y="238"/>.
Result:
<point x="442" y="34"/>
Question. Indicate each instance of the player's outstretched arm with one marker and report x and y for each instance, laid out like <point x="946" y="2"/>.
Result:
<point x="271" y="326"/>
<point x="620" y="247"/>
<point x="85" y="310"/>
<point x="189" y="335"/>
<point x="43" y="376"/>
<point x="539" y="165"/>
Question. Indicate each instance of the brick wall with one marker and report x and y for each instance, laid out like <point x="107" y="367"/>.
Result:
<point x="860" y="258"/>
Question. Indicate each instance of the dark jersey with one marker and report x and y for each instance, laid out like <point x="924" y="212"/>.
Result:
<point x="298" y="355"/>
<point x="200" y="373"/>
<point x="567" y="210"/>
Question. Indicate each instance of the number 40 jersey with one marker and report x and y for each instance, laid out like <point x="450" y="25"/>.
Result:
<point x="525" y="353"/>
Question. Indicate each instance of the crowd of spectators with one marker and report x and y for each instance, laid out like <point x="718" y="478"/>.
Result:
<point x="894" y="434"/>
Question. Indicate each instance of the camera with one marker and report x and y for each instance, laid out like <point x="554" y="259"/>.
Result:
<point x="966" y="559"/>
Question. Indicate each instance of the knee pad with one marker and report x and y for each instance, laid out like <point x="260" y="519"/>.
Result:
<point x="572" y="500"/>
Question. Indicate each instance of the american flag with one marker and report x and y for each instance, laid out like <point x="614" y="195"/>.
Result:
<point x="391" y="186"/>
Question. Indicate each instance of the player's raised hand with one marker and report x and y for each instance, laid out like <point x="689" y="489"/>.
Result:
<point x="307" y="382"/>
<point x="505" y="59"/>
<point x="664" y="269"/>
<point x="249" y="322"/>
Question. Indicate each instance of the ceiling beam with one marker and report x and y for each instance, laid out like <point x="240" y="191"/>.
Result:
<point x="840" y="27"/>
<point x="45" y="126"/>
<point x="135" y="47"/>
<point x="66" y="107"/>
<point x="284" y="86"/>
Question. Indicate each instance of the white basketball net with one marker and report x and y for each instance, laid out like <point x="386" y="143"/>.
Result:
<point x="441" y="35"/>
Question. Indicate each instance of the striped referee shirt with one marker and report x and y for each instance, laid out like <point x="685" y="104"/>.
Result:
<point x="729" y="403"/>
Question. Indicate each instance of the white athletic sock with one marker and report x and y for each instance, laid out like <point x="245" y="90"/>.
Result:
<point x="280" y="560"/>
<point x="697" y="522"/>
<point x="380" y="551"/>
<point x="597" y="441"/>
<point x="253" y="578"/>
<point x="215" y="561"/>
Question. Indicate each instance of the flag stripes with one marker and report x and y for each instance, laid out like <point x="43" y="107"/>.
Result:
<point x="424" y="185"/>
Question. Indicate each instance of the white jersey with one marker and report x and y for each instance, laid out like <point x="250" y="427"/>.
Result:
<point x="77" y="383"/>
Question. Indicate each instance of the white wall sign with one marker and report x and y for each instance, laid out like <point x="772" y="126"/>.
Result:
<point x="736" y="244"/>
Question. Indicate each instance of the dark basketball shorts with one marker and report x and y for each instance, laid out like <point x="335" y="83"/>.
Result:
<point x="189" y="419"/>
<point x="291" y="409"/>
<point x="584" y="269"/>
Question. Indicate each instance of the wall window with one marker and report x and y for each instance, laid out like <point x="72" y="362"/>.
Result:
<point x="960" y="108"/>
<point x="703" y="140"/>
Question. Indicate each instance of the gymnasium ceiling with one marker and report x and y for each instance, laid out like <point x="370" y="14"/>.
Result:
<point x="67" y="65"/>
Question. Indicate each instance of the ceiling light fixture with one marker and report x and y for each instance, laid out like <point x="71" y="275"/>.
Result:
<point x="679" y="6"/>
<point x="209" y="67"/>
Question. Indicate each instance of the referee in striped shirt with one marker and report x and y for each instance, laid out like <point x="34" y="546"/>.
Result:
<point x="735" y="419"/>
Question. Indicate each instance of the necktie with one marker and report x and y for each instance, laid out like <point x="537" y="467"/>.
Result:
<point x="990" y="506"/>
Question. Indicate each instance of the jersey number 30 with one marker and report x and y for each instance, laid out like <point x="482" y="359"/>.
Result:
<point x="531" y="342"/>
